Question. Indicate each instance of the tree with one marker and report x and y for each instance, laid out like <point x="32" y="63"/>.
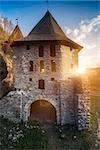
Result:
<point x="6" y="25"/>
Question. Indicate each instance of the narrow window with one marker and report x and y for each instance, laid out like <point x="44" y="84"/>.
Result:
<point x="41" y="51"/>
<point x="30" y="79"/>
<point x="53" y="66"/>
<point x="41" y="84"/>
<point x="52" y="51"/>
<point x="28" y="47"/>
<point x="71" y="49"/>
<point x="31" y="66"/>
<point x="41" y="65"/>
<point x="52" y="79"/>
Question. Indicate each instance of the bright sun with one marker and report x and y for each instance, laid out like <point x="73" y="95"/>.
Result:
<point x="81" y="70"/>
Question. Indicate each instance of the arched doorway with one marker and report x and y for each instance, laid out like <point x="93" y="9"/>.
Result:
<point x="42" y="111"/>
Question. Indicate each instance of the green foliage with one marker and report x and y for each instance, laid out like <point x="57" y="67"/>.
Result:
<point x="22" y="136"/>
<point x="30" y="136"/>
<point x="95" y="105"/>
<point x="72" y="139"/>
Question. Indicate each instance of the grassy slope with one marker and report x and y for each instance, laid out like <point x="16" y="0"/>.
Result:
<point x="27" y="136"/>
<point x="22" y="136"/>
<point x="95" y="105"/>
<point x="72" y="139"/>
<point x="94" y="79"/>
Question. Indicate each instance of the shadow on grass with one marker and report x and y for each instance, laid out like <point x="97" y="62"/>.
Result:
<point x="72" y="139"/>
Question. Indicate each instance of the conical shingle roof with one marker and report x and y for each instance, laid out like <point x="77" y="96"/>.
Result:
<point x="47" y="29"/>
<point x="16" y="34"/>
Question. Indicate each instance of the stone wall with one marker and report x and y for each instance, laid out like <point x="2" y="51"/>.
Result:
<point x="62" y="100"/>
<point x="21" y="66"/>
<point x="60" y="91"/>
<point x="84" y="104"/>
<point x="10" y="106"/>
<point x="4" y="89"/>
<point x="69" y="108"/>
<point x="1" y="89"/>
<point x="72" y="104"/>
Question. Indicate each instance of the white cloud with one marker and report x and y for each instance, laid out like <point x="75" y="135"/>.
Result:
<point x="76" y="32"/>
<point x="68" y="31"/>
<point x="88" y="35"/>
<point x="92" y="46"/>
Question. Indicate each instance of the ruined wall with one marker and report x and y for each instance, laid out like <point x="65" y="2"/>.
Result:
<point x="10" y="106"/>
<point x="84" y="101"/>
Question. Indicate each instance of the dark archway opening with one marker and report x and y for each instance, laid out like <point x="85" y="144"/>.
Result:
<point x="42" y="111"/>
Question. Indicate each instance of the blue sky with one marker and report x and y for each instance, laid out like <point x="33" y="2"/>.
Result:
<point x="80" y="20"/>
<point x="66" y="12"/>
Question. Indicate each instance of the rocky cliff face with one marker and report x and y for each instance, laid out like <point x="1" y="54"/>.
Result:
<point x="3" y="69"/>
<point x="3" y="75"/>
<point x="5" y="29"/>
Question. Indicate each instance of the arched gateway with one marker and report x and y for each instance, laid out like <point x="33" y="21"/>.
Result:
<point x="42" y="111"/>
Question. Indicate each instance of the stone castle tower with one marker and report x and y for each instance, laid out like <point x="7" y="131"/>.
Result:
<point x="43" y="66"/>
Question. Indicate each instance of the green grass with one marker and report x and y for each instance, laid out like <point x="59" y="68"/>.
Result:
<point x="95" y="105"/>
<point x="95" y="112"/>
<point x="30" y="136"/>
<point x="22" y="136"/>
<point x="72" y="139"/>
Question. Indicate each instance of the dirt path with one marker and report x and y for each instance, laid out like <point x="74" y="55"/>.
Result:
<point x="52" y="137"/>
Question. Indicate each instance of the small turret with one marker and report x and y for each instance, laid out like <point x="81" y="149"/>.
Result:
<point x="16" y="34"/>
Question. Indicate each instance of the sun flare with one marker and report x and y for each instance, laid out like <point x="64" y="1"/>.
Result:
<point x="81" y="70"/>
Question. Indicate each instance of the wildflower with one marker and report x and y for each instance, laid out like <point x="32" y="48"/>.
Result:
<point x="31" y="127"/>
<point x="14" y="139"/>
<point x="28" y="127"/>
<point x="43" y="131"/>
<point x="38" y="127"/>
<point x="74" y="136"/>
<point x="11" y="147"/>
<point x="17" y="136"/>
<point x="13" y="128"/>
<point x="10" y="136"/>
<point x="20" y="131"/>
<point x="25" y="125"/>
<point x="10" y="130"/>
<point x="60" y="130"/>
<point x="4" y="128"/>
<point x="21" y="135"/>
<point x="17" y="128"/>
<point x="63" y="136"/>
